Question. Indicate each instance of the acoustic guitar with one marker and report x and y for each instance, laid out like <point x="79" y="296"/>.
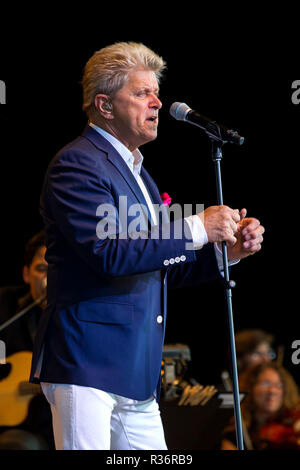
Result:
<point x="15" y="390"/>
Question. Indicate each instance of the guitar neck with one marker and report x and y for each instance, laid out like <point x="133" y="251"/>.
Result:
<point x="27" y="388"/>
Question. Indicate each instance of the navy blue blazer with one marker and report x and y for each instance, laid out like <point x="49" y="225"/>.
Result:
<point x="106" y="313"/>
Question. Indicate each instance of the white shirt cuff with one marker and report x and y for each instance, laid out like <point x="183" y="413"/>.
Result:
<point x="199" y="235"/>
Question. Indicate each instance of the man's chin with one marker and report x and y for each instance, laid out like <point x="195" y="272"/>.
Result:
<point x="151" y="135"/>
<point x="147" y="137"/>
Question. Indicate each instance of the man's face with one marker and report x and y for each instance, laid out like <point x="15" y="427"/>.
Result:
<point x="36" y="273"/>
<point x="135" y="110"/>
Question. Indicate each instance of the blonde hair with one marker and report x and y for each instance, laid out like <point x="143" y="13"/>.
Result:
<point x="107" y="70"/>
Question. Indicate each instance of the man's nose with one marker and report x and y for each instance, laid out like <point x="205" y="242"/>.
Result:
<point x="155" y="102"/>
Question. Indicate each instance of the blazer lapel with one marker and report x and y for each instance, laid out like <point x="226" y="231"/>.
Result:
<point x="151" y="186"/>
<point x="115" y="159"/>
<point x="156" y="198"/>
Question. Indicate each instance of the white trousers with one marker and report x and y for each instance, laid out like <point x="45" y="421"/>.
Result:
<point x="85" y="418"/>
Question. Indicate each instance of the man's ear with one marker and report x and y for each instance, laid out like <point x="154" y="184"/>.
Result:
<point x="104" y="106"/>
<point x="25" y="273"/>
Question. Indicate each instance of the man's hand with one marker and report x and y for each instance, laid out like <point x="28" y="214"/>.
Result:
<point x="249" y="237"/>
<point x="221" y="223"/>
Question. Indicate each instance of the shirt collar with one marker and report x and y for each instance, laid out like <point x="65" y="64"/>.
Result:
<point x="133" y="159"/>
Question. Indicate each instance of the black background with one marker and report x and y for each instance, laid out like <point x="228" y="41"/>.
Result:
<point x="42" y="68"/>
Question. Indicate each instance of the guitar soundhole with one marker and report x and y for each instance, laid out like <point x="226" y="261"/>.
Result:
<point x="5" y="370"/>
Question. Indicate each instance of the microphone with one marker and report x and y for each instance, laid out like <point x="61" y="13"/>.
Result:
<point x="182" y="112"/>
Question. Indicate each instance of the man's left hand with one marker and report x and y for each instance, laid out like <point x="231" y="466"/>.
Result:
<point x="249" y="238"/>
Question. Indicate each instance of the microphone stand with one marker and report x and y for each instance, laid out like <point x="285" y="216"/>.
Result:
<point x="216" y="152"/>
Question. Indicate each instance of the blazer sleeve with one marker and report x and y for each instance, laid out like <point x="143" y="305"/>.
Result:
<point x="73" y="191"/>
<point x="204" y="269"/>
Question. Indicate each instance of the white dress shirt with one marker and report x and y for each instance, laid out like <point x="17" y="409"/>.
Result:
<point x="134" y="162"/>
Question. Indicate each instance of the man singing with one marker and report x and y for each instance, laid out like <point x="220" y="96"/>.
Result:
<point x="99" y="347"/>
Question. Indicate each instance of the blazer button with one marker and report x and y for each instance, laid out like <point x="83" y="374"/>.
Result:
<point x="166" y="262"/>
<point x="159" y="319"/>
<point x="183" y="258"/>
<point x="177" y="259"/>
<point x="172" y="260"/>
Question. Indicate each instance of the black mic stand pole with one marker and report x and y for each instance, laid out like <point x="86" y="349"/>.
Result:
<point x="217" y="157"/>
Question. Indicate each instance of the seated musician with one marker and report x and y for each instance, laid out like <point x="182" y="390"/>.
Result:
<point x="36" y="431"/>
<point x="270" y="411"/>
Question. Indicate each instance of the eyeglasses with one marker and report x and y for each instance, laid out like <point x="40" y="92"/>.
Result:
<point x="268" y="384"/>
<point x="271" y="354"/>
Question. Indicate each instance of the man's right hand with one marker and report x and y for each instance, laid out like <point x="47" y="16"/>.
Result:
<point x="220" y="223"/>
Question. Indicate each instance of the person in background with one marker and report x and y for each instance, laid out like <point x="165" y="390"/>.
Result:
<point x="36" y="431"/>
<point x="270" y="410"/>
<point x="253" y="347"/>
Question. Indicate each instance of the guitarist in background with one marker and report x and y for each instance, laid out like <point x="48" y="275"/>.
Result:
<point x="36" y="431"/>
